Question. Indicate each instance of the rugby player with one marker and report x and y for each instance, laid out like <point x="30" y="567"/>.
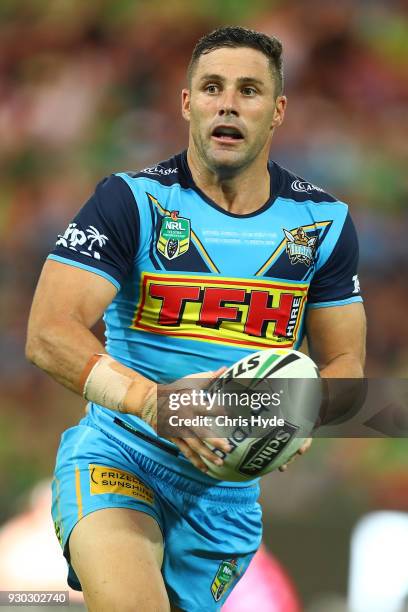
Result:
<point x="194" y="262"/>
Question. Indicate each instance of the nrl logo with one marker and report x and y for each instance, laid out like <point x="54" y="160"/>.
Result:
<point x="226" y="573"/>
<point x="299" y="247"/>
<point x="174" y="238"/>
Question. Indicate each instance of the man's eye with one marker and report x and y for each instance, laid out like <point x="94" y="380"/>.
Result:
<point x="211" y="89"/>
<point x="249" y="91"/>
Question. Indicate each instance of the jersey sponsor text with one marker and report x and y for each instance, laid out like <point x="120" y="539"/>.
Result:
<point x="247" y="313"/>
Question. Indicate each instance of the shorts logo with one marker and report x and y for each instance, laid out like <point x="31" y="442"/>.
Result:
<point x="299" y="247"/>
<point x="174" y="238"/>
<point x="241" y="312"/>
<point x="105" y="479"/>
<point x="226" y="574"/>
<point x="58" y="533"/>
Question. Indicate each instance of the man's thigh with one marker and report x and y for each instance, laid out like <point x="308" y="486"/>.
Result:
<point x="117" y="555"/>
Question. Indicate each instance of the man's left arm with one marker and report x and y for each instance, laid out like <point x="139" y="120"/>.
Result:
<point x="336" y="337"/>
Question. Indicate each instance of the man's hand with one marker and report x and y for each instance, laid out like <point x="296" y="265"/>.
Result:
<point x="191" y="441"/>
<point x="194" y="447"/>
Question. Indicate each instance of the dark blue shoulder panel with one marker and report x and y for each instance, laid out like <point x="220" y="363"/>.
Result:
<point x="295" y="188"/>
<point x="105" y="233"/>
<point x="168" y="172"/>
<point x="337" y="278"/>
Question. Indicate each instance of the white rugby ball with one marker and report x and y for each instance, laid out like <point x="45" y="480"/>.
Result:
<point x="265" y="434"/>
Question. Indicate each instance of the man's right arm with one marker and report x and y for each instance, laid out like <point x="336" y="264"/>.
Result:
<point x="68" y="302"/>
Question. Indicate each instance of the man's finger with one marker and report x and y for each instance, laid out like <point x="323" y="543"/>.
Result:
<point x="209" y="375"/>
<point x="221" y="443"/>
<point x="191" y="455"/>
<point x="202" y="449"/>
<point x="303" y="449"/>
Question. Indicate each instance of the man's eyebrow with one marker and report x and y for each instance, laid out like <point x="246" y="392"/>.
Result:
<point x="212" y="77"/>
<point x="241" y="80"/>
<point x="245" y="80"/>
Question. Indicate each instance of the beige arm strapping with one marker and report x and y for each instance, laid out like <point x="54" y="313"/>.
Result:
<point x="115" y="386"/>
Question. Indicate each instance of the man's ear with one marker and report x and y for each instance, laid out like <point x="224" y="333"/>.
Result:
<point x="185" y="104"/>
<point x="279" y="112"/>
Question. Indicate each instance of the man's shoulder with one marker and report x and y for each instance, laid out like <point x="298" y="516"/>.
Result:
<point x="298" y="189"/>
<point x="167" y="173"/>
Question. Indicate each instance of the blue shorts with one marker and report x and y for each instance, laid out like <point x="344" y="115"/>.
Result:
<point x="210" y="533"/>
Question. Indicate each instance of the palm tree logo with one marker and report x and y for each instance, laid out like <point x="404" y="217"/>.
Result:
<point x="97" y="237"/>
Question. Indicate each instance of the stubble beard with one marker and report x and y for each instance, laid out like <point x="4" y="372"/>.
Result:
<point x="226" y="168"/>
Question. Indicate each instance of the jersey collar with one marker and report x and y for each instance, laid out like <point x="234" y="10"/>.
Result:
<point x="186" y="180"/>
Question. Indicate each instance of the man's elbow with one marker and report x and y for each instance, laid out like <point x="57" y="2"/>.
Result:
<point x="344" y="365"/>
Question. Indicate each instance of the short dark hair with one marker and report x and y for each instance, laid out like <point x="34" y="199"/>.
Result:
<point x="237" y="36"/>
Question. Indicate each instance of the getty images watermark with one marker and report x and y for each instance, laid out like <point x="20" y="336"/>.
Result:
<point x="255" y="402"/>
<point x="328" y="408"/>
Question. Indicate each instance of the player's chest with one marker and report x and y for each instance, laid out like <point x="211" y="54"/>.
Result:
<point x="205" y="275"/>
<point x="190" y="235"/>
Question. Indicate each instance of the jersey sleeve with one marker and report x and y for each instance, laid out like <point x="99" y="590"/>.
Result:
<point x="336" y="282"/>
<point x="103" y="236"/>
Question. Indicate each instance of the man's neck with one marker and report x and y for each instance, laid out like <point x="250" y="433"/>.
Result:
<point x="242" y="193"/>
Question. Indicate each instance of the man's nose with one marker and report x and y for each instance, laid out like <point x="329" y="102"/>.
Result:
<point x="228" y="104"/>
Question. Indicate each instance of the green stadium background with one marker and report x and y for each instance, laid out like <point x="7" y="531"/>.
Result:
<point x="87" y="88"/>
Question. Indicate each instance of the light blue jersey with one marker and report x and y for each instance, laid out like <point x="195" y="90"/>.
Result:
<point x="199" y="287"/>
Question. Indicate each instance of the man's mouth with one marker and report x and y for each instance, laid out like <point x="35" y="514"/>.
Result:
<point x="227" y="134"/>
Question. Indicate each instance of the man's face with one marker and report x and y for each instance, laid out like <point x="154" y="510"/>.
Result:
<point x="231" y="108"/>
